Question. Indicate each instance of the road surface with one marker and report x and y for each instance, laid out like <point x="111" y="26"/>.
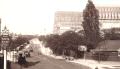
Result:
<point x="45" y="62"/>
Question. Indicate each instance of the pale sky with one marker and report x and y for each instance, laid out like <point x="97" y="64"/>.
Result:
<point x="37" y="16"/>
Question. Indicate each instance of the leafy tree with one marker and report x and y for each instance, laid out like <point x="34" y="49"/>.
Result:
<point x="112" y="34"/>
<point x="91" y="24"/>
<point x="18" y="41"/>
<point x="54" y="42"/>
<point x="42" y="38"/>
<point x="70" y="39"/>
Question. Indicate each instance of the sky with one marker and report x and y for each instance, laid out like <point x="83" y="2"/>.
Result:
<point x="37" y="16"/>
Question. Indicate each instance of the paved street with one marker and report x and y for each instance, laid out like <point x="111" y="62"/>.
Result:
<point x="44" y="62"/>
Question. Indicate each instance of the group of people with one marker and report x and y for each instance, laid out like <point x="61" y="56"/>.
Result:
<point x="22" y="60"/>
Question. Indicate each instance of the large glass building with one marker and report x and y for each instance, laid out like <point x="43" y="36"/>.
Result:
<point x="109" y="17"/>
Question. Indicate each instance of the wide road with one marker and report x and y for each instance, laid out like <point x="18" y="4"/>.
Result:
<point x="45" y="62"/>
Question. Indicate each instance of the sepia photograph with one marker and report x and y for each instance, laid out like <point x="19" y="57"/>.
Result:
<point x="59" y="34"/>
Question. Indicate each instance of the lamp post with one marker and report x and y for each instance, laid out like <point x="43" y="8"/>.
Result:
<point x="5" y="40"/>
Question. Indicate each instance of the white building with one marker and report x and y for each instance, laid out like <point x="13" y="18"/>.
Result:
<point x="109" y="17"/>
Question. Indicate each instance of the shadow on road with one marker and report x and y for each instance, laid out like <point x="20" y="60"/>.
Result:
<point x="28" y="64"/>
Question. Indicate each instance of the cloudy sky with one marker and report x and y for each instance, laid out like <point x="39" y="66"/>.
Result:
<point x="37" y="16"/>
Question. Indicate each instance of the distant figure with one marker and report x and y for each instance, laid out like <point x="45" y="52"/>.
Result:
<point x="21" y="60"/>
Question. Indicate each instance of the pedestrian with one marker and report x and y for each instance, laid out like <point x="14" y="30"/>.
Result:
<point x="22" y="60"/>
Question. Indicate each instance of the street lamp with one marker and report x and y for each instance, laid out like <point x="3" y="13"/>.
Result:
<point x="5" y="40"/>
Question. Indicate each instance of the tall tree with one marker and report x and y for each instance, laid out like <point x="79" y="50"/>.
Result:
<point x="91" y="24"/>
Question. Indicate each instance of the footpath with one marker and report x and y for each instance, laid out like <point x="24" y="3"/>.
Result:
<point x="100" y="65"/>
<point x="94" y="64"/>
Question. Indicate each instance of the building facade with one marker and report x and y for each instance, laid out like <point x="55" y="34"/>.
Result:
<point x="65" y="21"/>
<point x="109" y="17"/>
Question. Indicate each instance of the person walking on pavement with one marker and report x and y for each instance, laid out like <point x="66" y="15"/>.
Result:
<point x="21" y="60"/>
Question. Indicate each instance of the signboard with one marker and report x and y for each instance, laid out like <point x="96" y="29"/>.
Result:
<point x="82" y="48"/>
<point x="5" y="40"/>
